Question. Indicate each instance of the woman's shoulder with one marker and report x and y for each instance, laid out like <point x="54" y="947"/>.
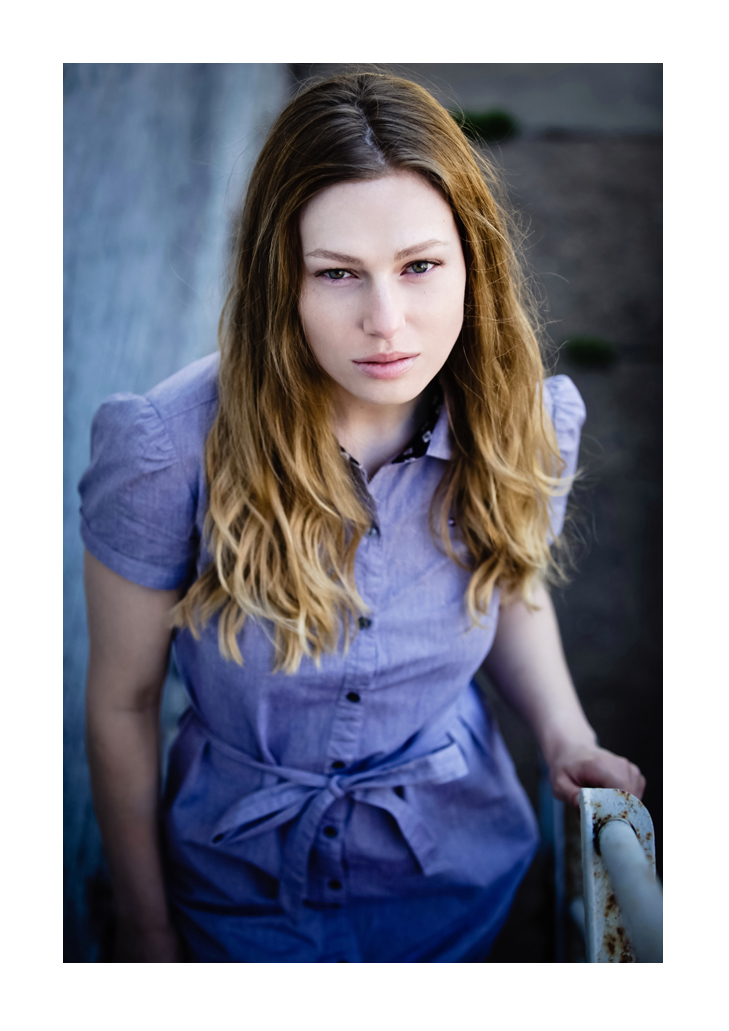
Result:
<point x="193" y="387"/>
<point x="141" y="491"/>
<point x="188" y="399"/>
<point x="564" y="404"/>
<point x="175" y="416"/>
<point x="566" y="409"/>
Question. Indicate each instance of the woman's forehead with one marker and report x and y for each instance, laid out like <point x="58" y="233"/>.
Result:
<point x="396" y="212"/>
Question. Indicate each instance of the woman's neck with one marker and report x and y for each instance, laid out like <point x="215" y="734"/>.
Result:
<point x="373" y="434"/>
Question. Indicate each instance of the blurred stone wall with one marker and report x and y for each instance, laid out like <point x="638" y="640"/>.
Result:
<point x="595" y="211"/>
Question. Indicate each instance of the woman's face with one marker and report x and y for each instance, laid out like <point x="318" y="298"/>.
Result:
<point x="383" y="288"/>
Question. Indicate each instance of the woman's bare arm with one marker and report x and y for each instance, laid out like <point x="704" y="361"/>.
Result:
<point x="528" y="666"/>
<point x="129" y="646"/>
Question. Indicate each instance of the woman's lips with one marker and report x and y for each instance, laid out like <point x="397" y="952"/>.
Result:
<point x="386" y="366"/>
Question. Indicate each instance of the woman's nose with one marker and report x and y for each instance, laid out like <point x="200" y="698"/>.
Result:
<point x="384" y="314"/>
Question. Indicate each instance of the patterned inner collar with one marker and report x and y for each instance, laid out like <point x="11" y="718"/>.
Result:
<point x="418" y="444"/>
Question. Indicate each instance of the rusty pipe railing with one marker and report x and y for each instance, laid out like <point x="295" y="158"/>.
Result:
<point x="623" y="898"/>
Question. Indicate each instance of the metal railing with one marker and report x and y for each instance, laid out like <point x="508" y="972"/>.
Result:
<point x="623" y="900"/>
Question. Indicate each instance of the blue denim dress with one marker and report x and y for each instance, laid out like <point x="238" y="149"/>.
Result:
<point x="364" y="811"/>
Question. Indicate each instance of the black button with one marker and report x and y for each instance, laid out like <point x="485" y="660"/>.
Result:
<point x="352" y="696"/>
<point x="334" y="884"/>
<point x="330" y="832"/>
<point x="364" y="622"/>
<point x="217" y="838"/>
<point x="338" y="764"/>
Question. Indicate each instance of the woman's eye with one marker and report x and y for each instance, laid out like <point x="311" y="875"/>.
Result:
<point x="421" y="266"/>
<point x="334" y="273"/>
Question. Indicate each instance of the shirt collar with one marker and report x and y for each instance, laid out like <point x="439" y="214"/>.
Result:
<point x="433" y="437"/>
<point x="440" y="441"/>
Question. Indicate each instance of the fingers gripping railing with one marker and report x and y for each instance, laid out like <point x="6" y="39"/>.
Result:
<point x="623" y="898"/>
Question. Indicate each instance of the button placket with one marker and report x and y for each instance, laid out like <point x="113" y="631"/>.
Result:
<point x="330" y="866"/>
<point x="334" y="885"/>
<point x="350" y="711"/>
<point x="330" y="847"/>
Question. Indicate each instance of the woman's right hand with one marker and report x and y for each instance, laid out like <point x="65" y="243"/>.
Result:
<point x="133" y="945"/>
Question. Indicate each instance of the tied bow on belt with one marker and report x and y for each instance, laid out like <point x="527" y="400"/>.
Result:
<point x="304" y="797"/>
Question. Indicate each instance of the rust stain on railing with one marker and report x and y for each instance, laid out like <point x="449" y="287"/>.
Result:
<point x="608" y="939"/>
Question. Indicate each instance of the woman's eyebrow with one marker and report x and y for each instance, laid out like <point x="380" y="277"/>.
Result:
<point x="419" y="247"/>
<point x="349" y="260"/>
<point x="334" y="256"/>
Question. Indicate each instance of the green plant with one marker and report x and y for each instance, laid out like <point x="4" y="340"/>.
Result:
<point x="490" y="126"/>
<point x="590" y="352"/>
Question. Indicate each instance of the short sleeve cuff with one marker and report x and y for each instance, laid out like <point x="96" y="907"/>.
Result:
<point x="143" y="573"/>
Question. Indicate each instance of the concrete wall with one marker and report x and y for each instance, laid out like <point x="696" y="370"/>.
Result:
<point x="156" y="157"/>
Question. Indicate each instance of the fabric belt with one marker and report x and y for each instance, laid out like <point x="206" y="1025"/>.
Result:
<point x="304" y="797"/>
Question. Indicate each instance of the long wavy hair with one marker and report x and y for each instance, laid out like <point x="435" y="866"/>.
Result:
<point x="285" y="517"/>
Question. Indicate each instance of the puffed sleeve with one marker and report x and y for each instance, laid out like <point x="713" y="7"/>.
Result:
<point x="137" y="509"/>
<point x="566" y="409"/>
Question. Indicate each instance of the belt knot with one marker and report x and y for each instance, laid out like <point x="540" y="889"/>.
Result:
<point x="302" y="797"/>
<point x="335" y="787"/>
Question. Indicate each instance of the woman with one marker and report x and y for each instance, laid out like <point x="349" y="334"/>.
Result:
<point x="341" y="517"/>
